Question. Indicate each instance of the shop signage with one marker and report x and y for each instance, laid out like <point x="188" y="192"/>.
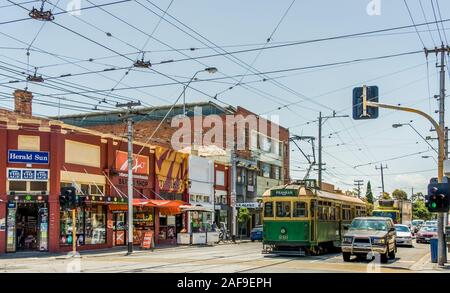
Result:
<point x="283" y="192"/>
<point x="249" y="205"/>
<point x="27" y="174"/>
<point x="147" y="240"/>
<point x="140" y="163"/>
<point x="28" y="157"/>
<point x="2" y="224"/>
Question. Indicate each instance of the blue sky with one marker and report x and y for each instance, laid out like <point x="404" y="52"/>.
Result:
<point x="232" y="24"/>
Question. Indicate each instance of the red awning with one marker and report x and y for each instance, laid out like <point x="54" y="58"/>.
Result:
<point x="166" y="207"/>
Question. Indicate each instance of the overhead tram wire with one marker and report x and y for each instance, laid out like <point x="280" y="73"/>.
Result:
<point x="20" y="41"/>
<point x="414" y="24"/>
<point x="269" y="39"/>
<point x="267" y="72"/>
<point x="393" y="158"/>
<point x="436" y="21"/>
<point x="69" y="11"/>
<point x="225" y="54"/>
<point x="426" y="20"/>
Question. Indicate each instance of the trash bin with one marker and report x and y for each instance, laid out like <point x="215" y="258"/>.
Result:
<point x="434" y="250"/>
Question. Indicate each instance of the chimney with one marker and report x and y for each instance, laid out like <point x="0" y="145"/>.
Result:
<point x="22" y="102"/>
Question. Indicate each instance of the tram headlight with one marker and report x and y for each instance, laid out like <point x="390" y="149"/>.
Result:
<point x="347" y="239"/>
<point x="378" y="241"/>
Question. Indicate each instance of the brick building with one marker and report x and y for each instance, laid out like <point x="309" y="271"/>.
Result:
<point x="261" y="164"/>
<point x="39" y="156"/>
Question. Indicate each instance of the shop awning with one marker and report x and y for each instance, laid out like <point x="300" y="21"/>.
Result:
<point x="165" y="207"/>
<point x="186" y="208"/>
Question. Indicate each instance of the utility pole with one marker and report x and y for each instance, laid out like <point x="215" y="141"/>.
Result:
<point x="322" y="120"/>
<point x="382" y="175"/>
<point x="358" y="184"/>
<point x="129" y="118"/>
<point x="442" y="217"/>
<point x="233" y="194"/>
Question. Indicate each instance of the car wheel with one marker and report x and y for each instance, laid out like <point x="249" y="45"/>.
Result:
<point x="384" y="257"/>
<point x="346" y="256"/>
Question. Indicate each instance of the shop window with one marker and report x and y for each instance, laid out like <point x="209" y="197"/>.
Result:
<point x="251" y="178"/>
<point x="17" y="186"/>
<point x="283" y="209"/>
<point x="97" y="189"/>
<point x="239" y="175"/>
<point x="300" y="209"/>
<point x="276" y="172"/>
<point x="90" y="225"/>
<point x="38" y="185"/>
<point x="84" y="188"/>
<point x="268" y="209"/>
<point x="220" y="178"/>
<point x="265" y="170"/>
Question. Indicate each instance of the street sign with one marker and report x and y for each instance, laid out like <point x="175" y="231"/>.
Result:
<point x="361" y="95"/>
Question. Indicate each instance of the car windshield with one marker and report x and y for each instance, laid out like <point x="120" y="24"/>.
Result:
<point x="415" y="223"/>
<point x="366" y="224"/>
<point x="401" y="229"/>
<point x="428" y="229"/>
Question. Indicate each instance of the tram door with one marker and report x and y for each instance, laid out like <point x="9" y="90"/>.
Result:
<point x="339" y="220"/>
<point x="313" y="220"/>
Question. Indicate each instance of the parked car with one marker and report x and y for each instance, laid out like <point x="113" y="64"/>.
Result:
<point x="430" y="223"/>
<point x="416" y="224"/>
<point x="257" y="233"/>
<point x="404" y="235"/>
<point x="370" y="235"/>
<point x="426" y="233"/>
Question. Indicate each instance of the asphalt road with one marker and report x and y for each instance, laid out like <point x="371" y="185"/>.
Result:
<point x="224" y="258"/>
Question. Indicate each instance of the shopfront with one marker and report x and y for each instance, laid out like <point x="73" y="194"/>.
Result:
<point x="200" y="229"/>
<point x="27" y="207"/>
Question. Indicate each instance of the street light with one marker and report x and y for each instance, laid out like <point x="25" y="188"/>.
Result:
<point x="427" y="157"/>
<point x="397" y="125"/>
<point x="210" y="70"/>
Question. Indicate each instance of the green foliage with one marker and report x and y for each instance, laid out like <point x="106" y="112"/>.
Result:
<point x="244" y="215"/>
<point x="369" y="194"/>
<point x="399" y="194"/>
<point x="420" y="211"/>
<point x="386" y="196"/>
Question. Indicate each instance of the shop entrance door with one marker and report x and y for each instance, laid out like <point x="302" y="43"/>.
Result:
<point x="120" y="224"/>
<point x="27" y="227"/>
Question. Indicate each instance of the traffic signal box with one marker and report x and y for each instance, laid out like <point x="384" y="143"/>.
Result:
<point x="69" y="199"/>
<point x="437" y="199"/>
<point x="361" y="95"/>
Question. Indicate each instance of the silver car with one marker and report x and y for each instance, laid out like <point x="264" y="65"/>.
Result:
<point x="404" y="235"/>
<point x="370" y="235"/>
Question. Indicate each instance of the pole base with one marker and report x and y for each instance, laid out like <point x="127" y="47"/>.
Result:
<point x="130" y="248"/>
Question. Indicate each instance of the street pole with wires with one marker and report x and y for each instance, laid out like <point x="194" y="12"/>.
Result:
<point x="233" y="194"/>
<point x="322" y="120"/>
<point x="358" y="183"/>
<point x="443" y="217"/>
<point x="382" y="175"/>
<point x="129" y="118"/>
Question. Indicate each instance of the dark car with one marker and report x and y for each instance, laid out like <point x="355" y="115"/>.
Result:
<point x="426" y="233"/>
<point x="369" y="235"/>
<point x="256" y="233"/>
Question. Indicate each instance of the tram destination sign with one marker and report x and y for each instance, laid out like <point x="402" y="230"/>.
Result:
<point x="283" y="192"/>
<point x="28" y="157"/>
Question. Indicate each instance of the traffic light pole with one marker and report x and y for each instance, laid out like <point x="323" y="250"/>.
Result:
<point x="442" y="256"/>
<point x="74" y="232"/>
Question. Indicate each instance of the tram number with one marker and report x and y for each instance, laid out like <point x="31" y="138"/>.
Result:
<point x="282" y="237"/>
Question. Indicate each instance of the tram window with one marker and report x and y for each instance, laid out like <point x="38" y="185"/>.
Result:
<point x="283" y="209"/>
<point x="300" y="209"/>
<point x="268" y="209"/>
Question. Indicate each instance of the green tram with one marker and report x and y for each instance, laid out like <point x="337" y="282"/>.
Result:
<point x="300" y="219"/>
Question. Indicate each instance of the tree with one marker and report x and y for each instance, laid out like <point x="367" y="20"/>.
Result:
<point x="399" y="194"/>
<point x="369" y="194"/>
<point x="420" y="211"/>
<point x="385" y="195"/>
<point x="417" y="196"/>
<point x="243" y="217"/>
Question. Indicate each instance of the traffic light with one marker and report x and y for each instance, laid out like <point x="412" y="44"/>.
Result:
<point x="360" y="110"/>
<point x="69" y="197"/>
<point x="437" y="199"/>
